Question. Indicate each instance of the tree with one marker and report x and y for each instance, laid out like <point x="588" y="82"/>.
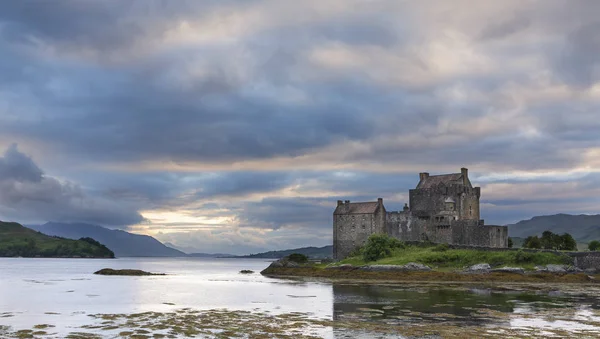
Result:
<point x="510" y="243"/>
<point x="532" y="241"/>
<point x="567" y="243"/>
<point x="594" y="245"/>
<point x="550" y="241"/>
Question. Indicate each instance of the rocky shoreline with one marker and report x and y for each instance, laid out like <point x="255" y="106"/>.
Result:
<point x="419" y="272"/>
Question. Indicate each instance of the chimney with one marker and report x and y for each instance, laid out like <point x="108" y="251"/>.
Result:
<point x="340" y="203"/>
<point x="465" y="175"/>
<point x="423" y="176"/>
<point x="406" y="207"/>
<point x="347" y="202"/>
<point x="380" y="201"/>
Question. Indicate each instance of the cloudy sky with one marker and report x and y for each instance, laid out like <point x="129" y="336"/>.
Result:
<point x="234" y="126"/>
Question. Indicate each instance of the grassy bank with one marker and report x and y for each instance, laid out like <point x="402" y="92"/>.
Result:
<point x="444" y="259"/>
<point x="19" y="241"/>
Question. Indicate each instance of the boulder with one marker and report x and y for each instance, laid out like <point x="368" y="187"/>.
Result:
<point x="556" y="268"/>
<point x="346" y="267"/>
<point x="284" y="262"/>
<point x="517" y="270"/>
<point x="410" y="267"/>
<point x="479" y="268"/>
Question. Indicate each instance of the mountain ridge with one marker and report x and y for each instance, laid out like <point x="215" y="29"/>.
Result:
<point x="583" y="227"/>
<point x="122" y="243"/>
<point x="311" y="252"/>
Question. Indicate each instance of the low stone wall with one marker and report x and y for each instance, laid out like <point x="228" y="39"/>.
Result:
<point x="586" y="260"/>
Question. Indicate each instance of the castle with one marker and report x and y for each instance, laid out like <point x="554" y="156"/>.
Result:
<point x="441" y="209"/>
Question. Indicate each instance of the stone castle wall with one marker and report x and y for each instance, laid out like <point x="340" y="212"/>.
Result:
<point x="351" y="231"/>
<point x="405" y="227"/>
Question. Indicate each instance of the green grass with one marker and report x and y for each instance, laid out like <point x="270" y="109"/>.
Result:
<point x="16" y="240"/>
<point x="460" y="258"/>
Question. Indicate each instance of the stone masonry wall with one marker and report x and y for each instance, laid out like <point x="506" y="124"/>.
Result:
<point x="352" y="230"/>
<point x="586" y="260"/>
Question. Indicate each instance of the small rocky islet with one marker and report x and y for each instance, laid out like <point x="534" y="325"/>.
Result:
<point x="125" y="272"/>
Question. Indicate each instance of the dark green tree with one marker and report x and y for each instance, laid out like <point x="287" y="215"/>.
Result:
<point x="532" y="241"/>
<point x="594" y="245"/>
<point x="567" y="243"/>
<point x="510" y="243"/>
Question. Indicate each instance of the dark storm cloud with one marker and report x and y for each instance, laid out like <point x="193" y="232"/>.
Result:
<point x="26" y="194"/>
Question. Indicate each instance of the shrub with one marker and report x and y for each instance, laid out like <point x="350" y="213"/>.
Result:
<point x="523" y="257"/>
<point x="594" y="245"/>
<point x="298" y="258"/>
<point x="510" y="243"/>
<point x="441" y="248"/>
<point x="379" y="246"/>
<point x="357" y="252"/>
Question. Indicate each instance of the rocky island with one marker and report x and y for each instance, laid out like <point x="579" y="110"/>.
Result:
<point x="387" y="259"/>
<point x="126" y="272"/>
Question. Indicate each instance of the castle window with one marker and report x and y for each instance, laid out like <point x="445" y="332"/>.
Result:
<point x="470" y="210"/>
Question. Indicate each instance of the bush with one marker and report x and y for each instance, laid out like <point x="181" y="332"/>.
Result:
<point x="380" y="246"/>
<point x="441" y="248"/>
<point x="510" y="243"/>
<point x="594" y="245"/>
<point x="357" y="252"/>
<point x="298" y="258"/>
<point x="523" y="257"/>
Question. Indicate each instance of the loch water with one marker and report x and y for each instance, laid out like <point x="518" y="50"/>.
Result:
<point x="63" y="293"/>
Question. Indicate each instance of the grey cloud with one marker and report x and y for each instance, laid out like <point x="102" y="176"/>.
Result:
<point x="505" y="28"/>
<point x="27" y="195"/>
<point x="579" y="63"/>
<point x="18" y="166"/>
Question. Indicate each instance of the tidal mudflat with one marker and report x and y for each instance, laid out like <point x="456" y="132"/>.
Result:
<point x="202" y="298"/>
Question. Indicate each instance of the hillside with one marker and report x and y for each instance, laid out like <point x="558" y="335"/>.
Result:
<point x="584" y="228"/>
<point x="124" y="244"/>
<point x="19" y="241"/>
<point x="311" y="252"/>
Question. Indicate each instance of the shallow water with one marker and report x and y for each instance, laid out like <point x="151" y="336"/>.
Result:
<point x="65" y="294"/>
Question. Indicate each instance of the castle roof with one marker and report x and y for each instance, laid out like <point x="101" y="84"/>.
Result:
<point x="447" y="179"/>
<point x="357" y="208"/>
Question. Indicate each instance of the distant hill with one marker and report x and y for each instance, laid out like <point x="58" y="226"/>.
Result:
<point x="19" y="241"/>
<point x="124" y="244"/>
<point x="584" y="228"/>
<point x="311" y="252"/>
<point x="210" y="255"/>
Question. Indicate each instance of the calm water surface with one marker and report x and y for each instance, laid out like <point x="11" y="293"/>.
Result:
<point x="64" y="292"/>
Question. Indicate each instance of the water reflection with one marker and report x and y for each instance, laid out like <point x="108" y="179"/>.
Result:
<point x="459" y="306"/>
